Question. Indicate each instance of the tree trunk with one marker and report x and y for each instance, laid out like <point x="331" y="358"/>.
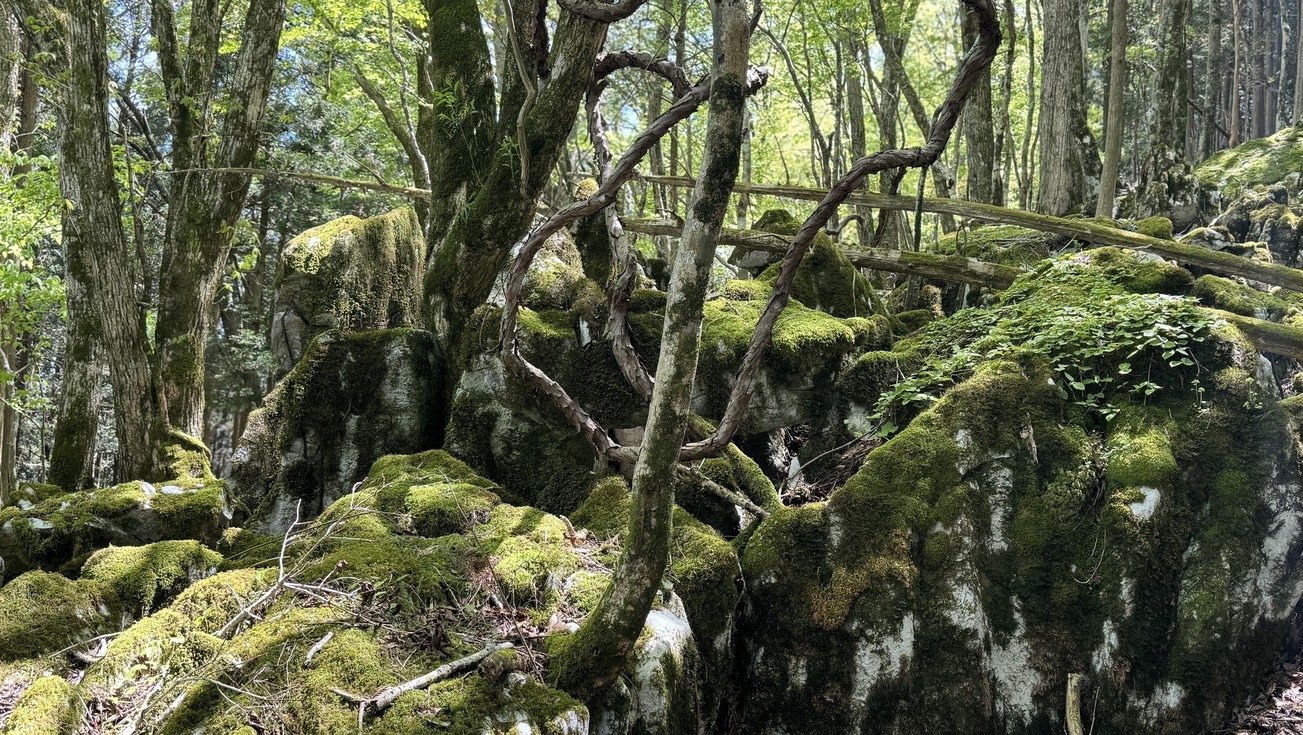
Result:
<point x="11" y="56"/>
<point x="1116" y="105"/>
<point x="205" y="205"/>
<point x="1233" y="106"/>
<point x="595" y="655"/>
<point x="1170" y="99"/>
<point x="1211" y="140"/>
<point x="467" y="258"/>
<point x="1297" y="117"/>
<point x="979" y="127"/>
<point x="98" y="257"/>
<point x="1062" y="187"/>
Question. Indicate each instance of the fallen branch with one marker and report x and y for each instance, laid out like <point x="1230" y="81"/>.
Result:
<point x="1273" y="337"/>
<point x="720" y="491"/>
<point x="952" y="268"/>
<point x="1072" y="705"/>
<point x="1081" y="229"/>
<point x="382" y="701"/>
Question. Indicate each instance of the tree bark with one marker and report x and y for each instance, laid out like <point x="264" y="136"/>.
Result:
<point x="1062" y="188"/>
<point x="979" y="127"/>
<point x="11" y="58"/>
<point x="98" y="257"/>
<point x="205" y="205"/>
<point x="1234" y="103"/>
<point x="1170" y="97"/>
<point x="595" y="655"/>
<point x="467" y="258"/>
<point x="1116" y="106"/>
<point x="1297" y="117"/>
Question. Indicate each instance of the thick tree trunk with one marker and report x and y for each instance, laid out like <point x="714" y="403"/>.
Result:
<point x="979" y="127"/>
<point x="595" y="655"/>
<point x="72" y="460"/>
<point x="1116" y="106"/>
<point x="206" y="205"/>
<point x="1063" y="186"/>
<point x="97" y="254"/>
<point x="1170" y="98"/>
<point x="466" y="260"/>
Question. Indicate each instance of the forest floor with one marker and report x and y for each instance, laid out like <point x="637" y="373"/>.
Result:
<point x="1277" y="709"/>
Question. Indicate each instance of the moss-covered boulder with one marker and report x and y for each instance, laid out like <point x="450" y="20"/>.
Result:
<point x="60" y="529"/>
<point x="1260" y="162"/>
<point x="1266" y="215"/>
<point x="42" y="612"/>
<point x="144" y="577"/>
<point x="825" y="280"/>
<point x="350" y="274"/>
<point x="350" y="400"/>
<point x="48" y="706"/>
<point x="1169" y="188"/>
<point x="1014" y="533"/>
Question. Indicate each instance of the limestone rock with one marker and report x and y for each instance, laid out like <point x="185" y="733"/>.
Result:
<point x="350" y="274"/>
<point x="990" y="549"/>
<point x="1261" y="162"/>
<point x="54" y="531"/>
<point x="350" y="400"/>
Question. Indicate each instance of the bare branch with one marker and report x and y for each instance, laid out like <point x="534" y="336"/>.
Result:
<point x="602" y="12"/>
<point x="978" y="58"/>
<point x="608" y="64"/>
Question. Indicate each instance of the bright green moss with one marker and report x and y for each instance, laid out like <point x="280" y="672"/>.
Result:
<point x="1135" y="275"/>
<point x="914" y="320"/>
<point x="211" y="603"/>
<point x="35" y="492"/>
<point x="1141" y="459"/>
<point x="827" y="281"/>
<point x="473" y="706"/>
<point x="704" y="569"/>
<point x="1263" y="161"/>
<point x="415" y="571"/>
<point x="352" y="661"/>
<point x="166" y="641"/>
<point x="146" y="576"/>
<point x="1159" y="227"/>
<point x="606" y="511"/>
<point x="747" y="290"/>
<point x="1225" y="294"/>
<point x="49" y="706"/>
<point x="446" y="508"/>
<point x="42" y="612"/>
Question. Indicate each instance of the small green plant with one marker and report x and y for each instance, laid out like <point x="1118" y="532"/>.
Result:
<point x="1099" y="340"/>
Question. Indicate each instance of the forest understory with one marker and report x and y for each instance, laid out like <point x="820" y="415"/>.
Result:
<point x="654" y="368"/>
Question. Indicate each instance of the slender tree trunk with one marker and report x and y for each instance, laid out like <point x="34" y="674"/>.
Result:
<point x="595" y="655"/>
<point x="1062" y="187"/>
<point x="204" y="208"/>
<point x="979" y="126"/>
<point x="1297" y="116"/>
<point x="1234" y="102"/>
<point x="11" y="61"/>
<point x="1029" y="135"/>
<point x="1116" y="105"/>
<point x="1211" y="139"/>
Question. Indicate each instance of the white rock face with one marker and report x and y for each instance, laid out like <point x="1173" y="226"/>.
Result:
<point x="1144" y="509"/>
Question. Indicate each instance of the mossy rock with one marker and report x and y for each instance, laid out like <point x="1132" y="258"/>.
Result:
<point x="1138" y="274"/>
<point x="31" y="493"/>
<point x="50" y="533"/>
<point x="1262" y="161"/>
<point x="1004" y="244"/>
<point x="145" y="577"/>
<point x="351" y="399"/>
<point x="49" y="706"/>
<point x="42" y="612"/>
<point x="211" y="603"/>
<point x="1228" y="295"/>
<point x="826" y="280"/>
<point x="349" y="274"/>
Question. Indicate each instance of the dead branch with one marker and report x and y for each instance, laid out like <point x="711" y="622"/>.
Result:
<point x="720" y="491"/>
<point x="608" y="64"/>
<point x="978" y="58"/>
<point x="953" y="268"/>
<point x="1081" y="229"/>
<point x="382" y="701"/>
